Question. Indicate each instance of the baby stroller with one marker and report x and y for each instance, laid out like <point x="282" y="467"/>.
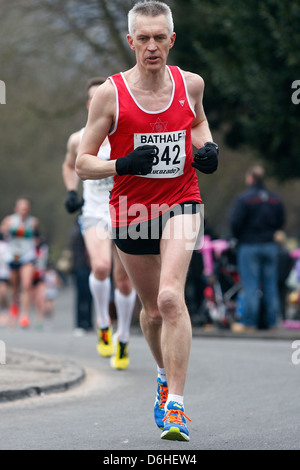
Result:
<point x="222" y="299"/>
<point x="292" y="319"/>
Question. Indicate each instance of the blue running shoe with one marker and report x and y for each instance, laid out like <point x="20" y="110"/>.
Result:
<point x="174" y="423"/>
<point x="160" y="401"/>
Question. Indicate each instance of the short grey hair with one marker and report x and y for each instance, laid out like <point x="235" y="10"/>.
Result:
<point x="257" y="172"/>
<point x="150" y="8"/>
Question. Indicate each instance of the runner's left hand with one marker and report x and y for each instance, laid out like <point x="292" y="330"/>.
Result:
<point x="73" y="203"/>
<point x="206" y="159"/>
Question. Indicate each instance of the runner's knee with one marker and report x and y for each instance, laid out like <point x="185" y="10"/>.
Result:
<point x="124" y="286"/>
<point x="26" y="284"/>
<point x="153" y="316"/>
<point x="169" y="302"/>
<point x="101" y="270"/>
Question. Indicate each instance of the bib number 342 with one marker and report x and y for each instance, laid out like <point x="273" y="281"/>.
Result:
<point x="170" y="156"/>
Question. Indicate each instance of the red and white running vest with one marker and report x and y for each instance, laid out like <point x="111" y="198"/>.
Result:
<point x="173" y="180"/>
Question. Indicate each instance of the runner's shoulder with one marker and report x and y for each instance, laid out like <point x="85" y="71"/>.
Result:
<point x="104" y="95"/>
<point x="5" y="223"/>
<point x="74" y="139"/>
<point x="194" y="81"/>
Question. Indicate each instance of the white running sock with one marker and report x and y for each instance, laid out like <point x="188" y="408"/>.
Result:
<point x="100" y="291"/>
<point x="172" y="397"/>
<point x="161" y="374"/>
<point x="124" y="307"/>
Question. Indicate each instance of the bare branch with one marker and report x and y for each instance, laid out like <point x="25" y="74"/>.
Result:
<point x="115" y="33"/>
<point x="60" y="113"/>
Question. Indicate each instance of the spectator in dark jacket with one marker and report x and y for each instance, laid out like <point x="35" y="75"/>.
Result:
<point x="256" y="215"/>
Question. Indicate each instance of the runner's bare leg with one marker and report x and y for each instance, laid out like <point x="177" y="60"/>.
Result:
<point x="165" y="322"/>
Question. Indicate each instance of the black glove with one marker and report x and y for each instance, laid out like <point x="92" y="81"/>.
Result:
<point x="206" y="159"/>
<point x="138" y="162"/>
<point x="73" y="203"/>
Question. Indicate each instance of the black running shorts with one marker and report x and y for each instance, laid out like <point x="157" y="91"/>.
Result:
<point x="144" y="238"/>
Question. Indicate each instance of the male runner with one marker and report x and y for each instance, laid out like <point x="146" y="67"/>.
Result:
<point x="20" y="230"/>
<point x="4" y="282"/>
<point x="152" y="114"/>
<point x="95" y="223"/>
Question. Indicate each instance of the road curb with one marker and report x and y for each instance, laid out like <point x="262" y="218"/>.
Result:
<point x="278" y="334"/>
<point x="28" y="373"/>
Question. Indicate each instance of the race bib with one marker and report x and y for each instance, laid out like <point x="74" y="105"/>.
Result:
<point x="170" y="157"/>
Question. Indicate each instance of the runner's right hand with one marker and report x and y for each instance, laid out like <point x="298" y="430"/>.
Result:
<point x="73" y="203"/>
<point x="138" y="162"/>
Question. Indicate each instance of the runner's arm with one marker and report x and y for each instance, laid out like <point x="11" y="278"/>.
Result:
<point x="99" y="124"/>
<point x="69" y="174"/>
<point x="5" y="225"/>
<point x="36" y="227"/>
<point x="200" y="127"/>
<point x="206" y="157"/>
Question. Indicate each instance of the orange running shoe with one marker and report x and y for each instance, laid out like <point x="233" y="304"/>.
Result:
<point x="24" y="321"/>
<point x="14" y="310"/>
<point x="160" y="401"/>
<point x="175" y="428"/>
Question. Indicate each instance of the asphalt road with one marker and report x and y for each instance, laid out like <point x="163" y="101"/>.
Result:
<point x="240" y="393"/>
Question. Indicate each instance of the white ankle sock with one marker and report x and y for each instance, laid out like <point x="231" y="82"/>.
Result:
<point x="161" y="374"/>
<point x="124" y="307"/>
<point x="100" y="291"/>
<point x="172" y="397"/>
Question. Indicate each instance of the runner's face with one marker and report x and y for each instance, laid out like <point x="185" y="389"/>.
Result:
<point x="151" y="41"/>
<point x="22" y="207"/>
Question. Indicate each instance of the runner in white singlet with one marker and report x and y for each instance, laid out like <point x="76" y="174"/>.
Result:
<point x="95" y="209"/>
<point x="20" y="229"/>
<point x="4" y="282"/>
<point x="95" y="227"/>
